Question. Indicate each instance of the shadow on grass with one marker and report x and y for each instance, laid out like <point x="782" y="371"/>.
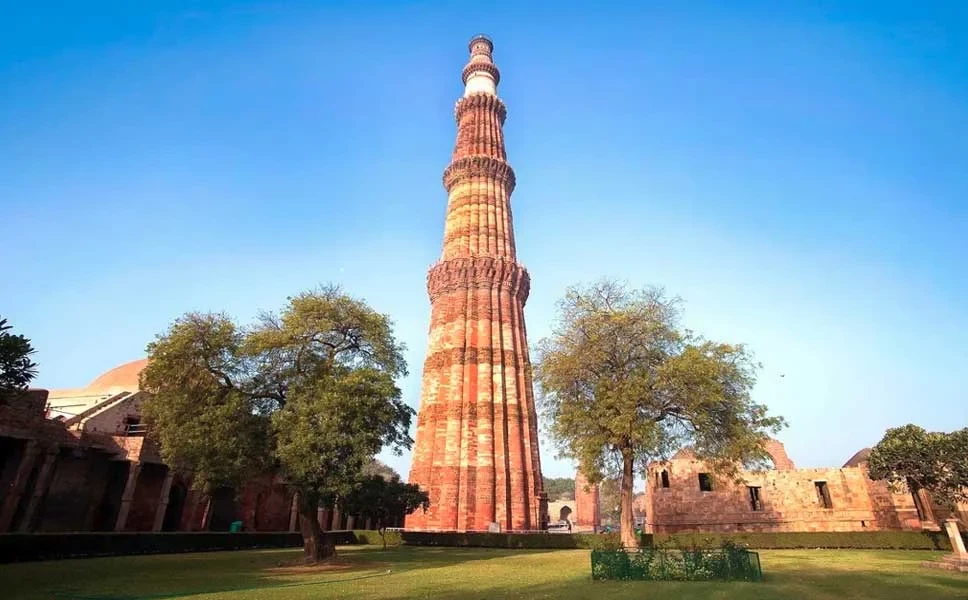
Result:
<point x="366" y="563"/>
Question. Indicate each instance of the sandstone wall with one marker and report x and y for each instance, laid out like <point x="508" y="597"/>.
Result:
<point x="789" y="500"/>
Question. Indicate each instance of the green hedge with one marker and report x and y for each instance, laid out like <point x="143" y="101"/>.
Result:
<point x="899" y="540"/>
<point x="15" y="547"/>
<point x="600" y="541"/>
<point x="371" y="537"/>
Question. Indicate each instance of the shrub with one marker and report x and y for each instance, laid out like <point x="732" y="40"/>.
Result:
<point x="591" y="541"/>
<point x="371" y="537"/>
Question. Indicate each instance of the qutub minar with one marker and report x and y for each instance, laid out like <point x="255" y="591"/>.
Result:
<point x="477" y="434"/>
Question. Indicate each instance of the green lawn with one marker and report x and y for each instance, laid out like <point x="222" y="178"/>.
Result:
<point x="450" y="573"/>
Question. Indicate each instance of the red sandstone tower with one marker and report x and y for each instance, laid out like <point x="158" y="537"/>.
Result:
<point x="477" y="436"/>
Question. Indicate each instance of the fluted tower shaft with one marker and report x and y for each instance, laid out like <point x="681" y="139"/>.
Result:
<point x="476" y="448"/>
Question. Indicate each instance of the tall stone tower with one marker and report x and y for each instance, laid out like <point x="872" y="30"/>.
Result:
<point x="477" y="436"/>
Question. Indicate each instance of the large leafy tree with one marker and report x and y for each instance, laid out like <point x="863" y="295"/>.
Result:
<point x="560" y="488"/>
<point x="16" y="368"/>
<point x="309" y="391"/>
<point x="621" y="384"/>
<point x="911" y="457"/>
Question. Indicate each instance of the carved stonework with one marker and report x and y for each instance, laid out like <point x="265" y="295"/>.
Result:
<point x="486" y="67"/>
<point x="481" y="101"/>
<point x="463" y="169"/>
<point x="478" y="272"/>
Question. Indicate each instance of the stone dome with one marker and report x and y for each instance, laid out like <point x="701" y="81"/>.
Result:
<point x="859" y="458"/>
<point x="124" y="377"/>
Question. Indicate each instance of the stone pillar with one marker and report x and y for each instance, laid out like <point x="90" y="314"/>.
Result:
<point x="163" y="501"/>
<point x="207" y="515"/>
<point x="369" y="524"/>
<point x="17" y="486"/>
<point x="40" y="488"/>
<point x="134" y="469"/>
<point x="350" y="521"/>
<point x="957" y="544"/>
<point x="336" y="518"/>
<point x="294" y="513"/>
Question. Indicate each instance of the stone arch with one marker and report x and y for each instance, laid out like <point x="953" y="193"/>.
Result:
<point x="565" y="513"/>
<point x="778" y="454"/>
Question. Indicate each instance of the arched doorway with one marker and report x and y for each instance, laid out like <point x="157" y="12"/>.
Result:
<point x="564" y="513"/>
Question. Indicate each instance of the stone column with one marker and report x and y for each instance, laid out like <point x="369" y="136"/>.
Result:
<point x="17" y="486"/>
<point x="928" y="508"/>
<point x="350" y="521"/>
<point x="294" y="513"/>
<point x="134" y="469"/>
<point x="163" y="501"/>
<point x="40" y="488"/>
<point x="336" y="517"/>
<point x="369" y="524"/>
<point x="957" y="544"/>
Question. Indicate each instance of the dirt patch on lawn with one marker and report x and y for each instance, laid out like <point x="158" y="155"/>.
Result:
<point x="336" y="565"/>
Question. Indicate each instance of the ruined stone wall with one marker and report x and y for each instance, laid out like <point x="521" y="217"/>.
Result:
<point x="112" y="419"/>
<point x="587" y="510"/>
<point x="266" y="505"/>
<point x="147" y="496"/>
<point x="788" y="501"/>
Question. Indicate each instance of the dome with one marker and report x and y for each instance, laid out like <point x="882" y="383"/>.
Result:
<point x="858" y="459"/>
<point x="124" y="376"/>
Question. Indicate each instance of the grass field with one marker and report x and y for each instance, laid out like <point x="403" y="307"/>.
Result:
<point x="450" y="573"/>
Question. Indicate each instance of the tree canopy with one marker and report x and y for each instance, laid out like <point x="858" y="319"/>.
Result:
<point x="622" y="384"/>
<point x="933" y="461"/>
<point x="17" y="370"/>
<point x="309" y="392"/>
<point x="560" y="488"/>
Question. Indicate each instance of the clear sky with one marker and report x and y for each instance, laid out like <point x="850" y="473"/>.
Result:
<point x="798" y="175"/>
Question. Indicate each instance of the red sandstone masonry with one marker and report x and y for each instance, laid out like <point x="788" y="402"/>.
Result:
<point x="476" y="447"/>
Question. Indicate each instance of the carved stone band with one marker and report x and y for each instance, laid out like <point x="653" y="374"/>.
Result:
<point x="481" y="101"/>
<point x="478" y="166"/>
<point x="481" y="66"/>
<point x="478" y="272"/>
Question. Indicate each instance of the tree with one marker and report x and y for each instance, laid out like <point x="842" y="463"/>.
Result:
<point x="623" y="385"/>
<point x="936" y="462"/>
<point x="560" y="488"/>
<point x="385" y="500"/>
<point x="16" y="368"/>
<point x="309" y="392"/>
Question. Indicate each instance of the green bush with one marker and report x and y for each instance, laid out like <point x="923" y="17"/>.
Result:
<point x="601" y="541"/>
<point x="727" y="563"/>
<point x="897" y="540"/>
<point x="371" y="537"/>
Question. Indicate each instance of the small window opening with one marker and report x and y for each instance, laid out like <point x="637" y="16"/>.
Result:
<point x="705" y="482"/>
<point x="823" y="494"/>
<point x="665" y="479"/>
<point x="755" y="503"/>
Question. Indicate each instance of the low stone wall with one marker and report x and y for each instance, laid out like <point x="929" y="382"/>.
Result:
<point x="19" y="547"/>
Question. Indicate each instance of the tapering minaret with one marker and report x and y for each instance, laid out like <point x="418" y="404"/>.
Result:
<point x="477" y="435"/>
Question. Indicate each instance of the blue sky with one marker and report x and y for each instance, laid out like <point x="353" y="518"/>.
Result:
<point x="797" y="174"/>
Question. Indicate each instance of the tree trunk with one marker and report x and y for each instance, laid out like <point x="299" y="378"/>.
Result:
<point x="627" y="520"/>
<point x="317" y="546"/>
<point x="383" y="535"/>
